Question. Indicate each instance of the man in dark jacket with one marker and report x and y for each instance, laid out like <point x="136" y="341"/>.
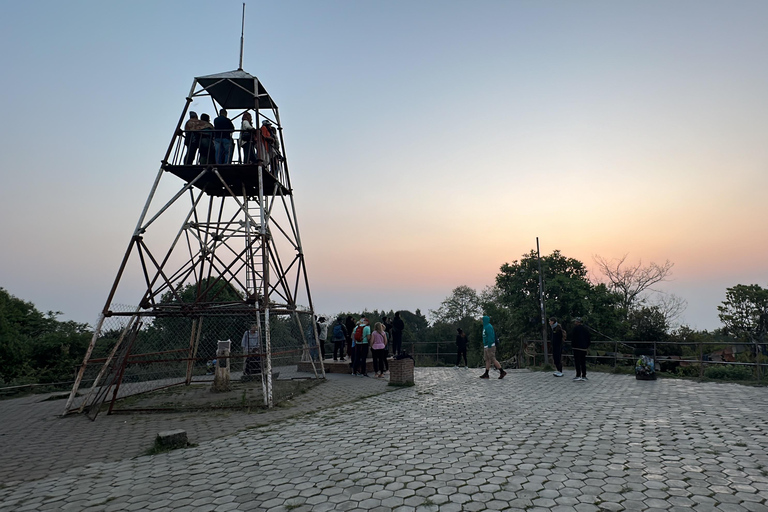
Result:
<point x="557" y="346"/>
<point x="580" y="340"/>
<point x="222" y="138"/>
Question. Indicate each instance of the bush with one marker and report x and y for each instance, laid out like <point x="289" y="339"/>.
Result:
<point x="723" y="372"/>
<point x="688" y="371"/>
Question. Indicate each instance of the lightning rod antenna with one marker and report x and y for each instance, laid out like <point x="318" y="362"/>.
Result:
<point x="242" y="32"/>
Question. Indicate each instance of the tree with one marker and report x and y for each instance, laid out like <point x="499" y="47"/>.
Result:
<point x="463" y="302"/>
<point x="567" y="291"/>
<point x="744" y="312"/>
<point x="631" y="281"/>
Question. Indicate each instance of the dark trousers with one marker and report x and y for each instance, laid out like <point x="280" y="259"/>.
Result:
<point x="461" y="351"/>
<point x="379" y="360"/>
<point x="189" y="159"/>
<point x="322" y="349"/>
<point x="361" y="355"/>
<point x="580" y="360"/>
<point x="557" y="355"/>
<point x="338" y="349"/>
<point x="249" y="153"/>
<point x="397" y="343"/>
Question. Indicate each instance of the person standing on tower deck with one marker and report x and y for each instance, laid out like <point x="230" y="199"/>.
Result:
<point x="191" y="137"/>
<point x="248" y="139"/>
<point x="269" y="136"/>
<point x="207" y="152"/>
<point x="489" y="349"/>
<point x="222" y="138"/>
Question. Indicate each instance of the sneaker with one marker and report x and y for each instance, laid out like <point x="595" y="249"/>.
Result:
<point x="558" y="374"/>
<point x="575" y="379"/>
<point x="485" y="376"/>
<point x="455" y="367"/>
<point x="502" y="374"/>
<point x="584" y="378"/>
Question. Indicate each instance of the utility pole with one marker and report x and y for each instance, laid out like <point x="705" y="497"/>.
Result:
<point x="541" y="301"/>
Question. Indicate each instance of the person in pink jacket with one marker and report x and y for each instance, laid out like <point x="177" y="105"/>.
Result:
<point x="379" y="347"/>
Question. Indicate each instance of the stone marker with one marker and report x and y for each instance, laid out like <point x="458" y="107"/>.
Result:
<point x="172" y="439"/>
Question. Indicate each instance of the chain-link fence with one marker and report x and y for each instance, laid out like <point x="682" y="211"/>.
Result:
<point x="170" y="362"/>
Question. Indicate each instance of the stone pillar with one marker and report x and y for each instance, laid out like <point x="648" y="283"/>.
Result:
<point x="221" y="377"/>
<point x="401" y="371"/>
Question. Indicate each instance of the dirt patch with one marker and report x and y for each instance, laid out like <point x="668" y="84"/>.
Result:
<point x="242" y="395"/>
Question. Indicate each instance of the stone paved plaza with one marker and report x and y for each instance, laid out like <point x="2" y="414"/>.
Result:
<point x="452" y="442"/>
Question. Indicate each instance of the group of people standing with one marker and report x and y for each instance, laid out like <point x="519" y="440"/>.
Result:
<point x="215" y="145"/>
<point x="580" y="341"/>
<point x="356" y="339"/>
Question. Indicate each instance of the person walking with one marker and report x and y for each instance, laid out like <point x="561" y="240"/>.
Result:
<point x="461" y="348"/>
<point x="379" y="347"/>
<point x="558" y="337"/>
<point x="489" y="349"/>
<point x="580" y="341"/>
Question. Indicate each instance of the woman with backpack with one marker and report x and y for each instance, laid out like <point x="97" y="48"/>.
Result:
<point x="379" y="346"/>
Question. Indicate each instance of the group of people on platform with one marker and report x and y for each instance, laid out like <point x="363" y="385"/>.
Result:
<point x="215" y="145"/>
<point x="356" y="339"/>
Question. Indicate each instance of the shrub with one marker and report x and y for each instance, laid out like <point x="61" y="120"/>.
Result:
<point x="723" y="372"/>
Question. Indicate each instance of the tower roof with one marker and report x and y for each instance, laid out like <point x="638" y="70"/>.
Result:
<point x="236" y="89"/>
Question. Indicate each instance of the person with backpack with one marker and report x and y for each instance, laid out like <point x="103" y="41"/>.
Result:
<point x="489" y="349"/>
<point x="350" y="324"/>
<point x="360" y="338"/>
<point x="580" y="341"/>
<point x="558" y="337"/>
<point x="339" y="338"/>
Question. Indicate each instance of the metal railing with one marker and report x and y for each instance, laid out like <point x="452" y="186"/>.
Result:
<point x="691" y="355"/>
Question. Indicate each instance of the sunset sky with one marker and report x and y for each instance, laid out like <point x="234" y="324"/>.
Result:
<point x="429" y="141"/>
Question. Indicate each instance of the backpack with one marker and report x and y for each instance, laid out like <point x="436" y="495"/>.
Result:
<point x="338" y="332"/>
<point x="359" y="333"/>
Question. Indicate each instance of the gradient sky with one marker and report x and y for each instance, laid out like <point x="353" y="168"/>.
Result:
<point x="429" y="141"/>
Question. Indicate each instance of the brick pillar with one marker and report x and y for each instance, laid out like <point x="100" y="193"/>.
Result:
<point x="401" y="371"/>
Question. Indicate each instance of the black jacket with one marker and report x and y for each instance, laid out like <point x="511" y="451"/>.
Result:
<point x="580" y="337"/>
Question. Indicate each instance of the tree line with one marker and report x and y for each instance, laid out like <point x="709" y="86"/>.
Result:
<point x="619" y="303"/>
